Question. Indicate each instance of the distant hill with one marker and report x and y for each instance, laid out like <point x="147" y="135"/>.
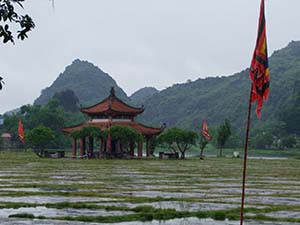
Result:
<point x="140" y="96"/>
<point x="89" y="83"/>
<point x="185" y="105"/>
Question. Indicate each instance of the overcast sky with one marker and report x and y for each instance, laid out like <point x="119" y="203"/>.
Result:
<point x="140" y="43"/>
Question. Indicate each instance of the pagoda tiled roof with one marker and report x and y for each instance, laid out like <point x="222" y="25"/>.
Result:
<point x="143" y="129"/>
<point x="112" y="104"/>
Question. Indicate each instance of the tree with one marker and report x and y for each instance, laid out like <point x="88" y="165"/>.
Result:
<point x="91" y="131"/>
<point x="176" y="139"/>
<point x="153" y="144"/>
<point x="125" y="135"/>
<point x="9" y="16"/>
<point x="76" y="134"/>
<point x="38" y="139"/>
<point x="203" y="142"/>
<point x="288" y="141"/>
<point x="290" y="114"/>
<point x="68" y="100"/>
<point x="224" y="132"/>
<point x="263" y="140"/>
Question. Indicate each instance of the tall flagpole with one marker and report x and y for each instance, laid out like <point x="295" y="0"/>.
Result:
<point x="260" y="75"/>
<point x="245" y="157"/>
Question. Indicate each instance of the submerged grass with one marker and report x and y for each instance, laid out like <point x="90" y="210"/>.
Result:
<point x="121" y="179"/>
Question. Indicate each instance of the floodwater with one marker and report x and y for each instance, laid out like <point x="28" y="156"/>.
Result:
<point x="51" y="212"/>
<point x="184" y="221"/>
<point x="179" y="206"/>
<point x="52" y="199"/>
<point x="176" y="185"/>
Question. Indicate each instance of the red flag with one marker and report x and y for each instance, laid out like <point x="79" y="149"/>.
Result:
<point x="21" y="132"/>
<point x="205" y="132"/>
<point x="259" y="70"/>
<point x="108" y="141"/>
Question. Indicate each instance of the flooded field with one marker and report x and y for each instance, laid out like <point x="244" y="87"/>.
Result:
<point x="147" y="192"/>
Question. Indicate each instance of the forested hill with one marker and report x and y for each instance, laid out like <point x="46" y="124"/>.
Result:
<point x="140" y="96"/>
<point x="185" y="105"/>
<point x="88" y="82"/>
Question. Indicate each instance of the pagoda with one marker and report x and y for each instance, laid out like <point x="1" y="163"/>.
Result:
<point x="111" y="112"/>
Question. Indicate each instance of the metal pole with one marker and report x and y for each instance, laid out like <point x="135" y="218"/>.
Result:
<point x="245" y="158"/>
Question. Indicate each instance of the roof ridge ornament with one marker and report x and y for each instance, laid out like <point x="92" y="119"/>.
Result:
<point x="112" y="92"/>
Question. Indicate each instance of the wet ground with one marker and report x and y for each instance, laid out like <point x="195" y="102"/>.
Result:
<point x="64" y="189"/>
<point x="185" y="221"/>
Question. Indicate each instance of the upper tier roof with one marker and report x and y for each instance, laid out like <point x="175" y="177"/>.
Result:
<point x="112" y="104"/>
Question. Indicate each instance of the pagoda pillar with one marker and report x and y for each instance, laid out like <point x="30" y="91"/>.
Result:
<point x="118" y="147"/>
<point x="100" y="147"/>
<point x="108" y="146"/>
<point x="148" y="144"/>
<point x="131" y="146"/>
<point x="140" y="149"/>
<point x="74" y="148"/>
<point x="91" y="147"/>
<point x="82" y="147"/>
<point x="121" y="148"/>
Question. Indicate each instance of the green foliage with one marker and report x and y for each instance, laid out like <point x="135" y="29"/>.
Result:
<point x="290" y="113"/>
<point x="76" y="134"/>
<point x="176" y="139"/>
<point x="224" y="132"/>
<point x="68" y="100"/>
<point x="262" y="140"/>
<point x="89" y="83"/>
<point x="288" y="141"/>
<point x="184" y="105"/>
<point x="89" y="131"/>
<point x="140" y="96"/>
<point x="51" y="115"/>
<point x="124" y="134"/>
<point x="9" y="16"/>
<point x="153" y="144"/>
<point x="39" y="138"/>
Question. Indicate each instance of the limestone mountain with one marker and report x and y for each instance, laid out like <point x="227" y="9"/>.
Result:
<point x="89" y="83"/>
<point x="140" y="96"/>
<point x="185" y="105"/>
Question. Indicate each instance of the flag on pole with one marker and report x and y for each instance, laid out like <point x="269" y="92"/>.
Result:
<point x="259" y="70"/>
<point x="21" y="132"/>
<point x="204" y="131"/>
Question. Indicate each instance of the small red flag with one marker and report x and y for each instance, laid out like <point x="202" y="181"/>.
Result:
<point x="21" y="132"/>
<point x="205" y="132"/>
<point x="259" y="70"/>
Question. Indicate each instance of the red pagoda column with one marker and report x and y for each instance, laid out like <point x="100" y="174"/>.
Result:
<point x="118" y="146"/>
<point x="91" y="147"/>
<point x="148" y="142"/>
<point x="140" y="149"/>
<point x="100" y="147"/>
<point x="82" y="147"/>
<point x="131" y="148"/>
<point x="74" y="148"/>
<point x="121" y="148"/>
